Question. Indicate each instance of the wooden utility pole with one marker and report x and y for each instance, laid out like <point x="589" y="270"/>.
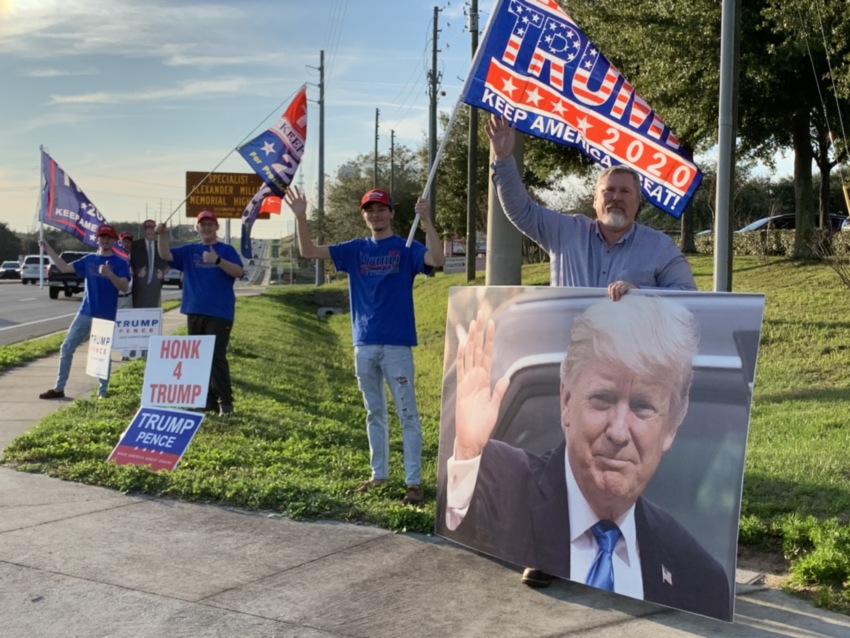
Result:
<point x="320" y="213"/>
<point x="375" y="176"/>
<point x="432" y="121"/>
<point x="472" y="163"/>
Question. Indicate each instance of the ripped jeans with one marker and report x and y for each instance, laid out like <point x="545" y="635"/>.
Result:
<point x="374" y="364"/>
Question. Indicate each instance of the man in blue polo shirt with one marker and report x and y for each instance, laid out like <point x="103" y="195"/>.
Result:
<point x="381" y="269"/>
<point x="210" y="268"/>
<point x="105" y="274"/>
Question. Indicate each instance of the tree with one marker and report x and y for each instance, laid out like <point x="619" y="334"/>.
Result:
<point x="776" y="101"/>
<point x="342" y="220"/>
<point x="452" y="175"/>
<point x="10" y="245"/>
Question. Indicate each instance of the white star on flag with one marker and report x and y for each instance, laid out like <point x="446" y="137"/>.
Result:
<point x="508" y="87"/>
<point x="559" y="107"/>
<point x="268" y="148"/>
<point x="533" y="96"/>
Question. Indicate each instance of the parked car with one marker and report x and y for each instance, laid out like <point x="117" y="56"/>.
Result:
<point x="10" y="270"/>
<point x="789" y="222"/>
<point x="30" y="272"/>
<point x="173" y="277"/>
<point x="66" y="282"/>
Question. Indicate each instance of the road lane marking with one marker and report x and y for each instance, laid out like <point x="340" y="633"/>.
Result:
<point x="32" y="323"/>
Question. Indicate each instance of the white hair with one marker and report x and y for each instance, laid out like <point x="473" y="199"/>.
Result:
<point x="646" y="334"/>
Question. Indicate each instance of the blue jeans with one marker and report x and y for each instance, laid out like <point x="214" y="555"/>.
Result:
<point x="393" y="364"/>
<point x="78" y="332"/>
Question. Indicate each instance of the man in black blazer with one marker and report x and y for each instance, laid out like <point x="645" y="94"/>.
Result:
<point x="578" y="511"/>
<point x="148" y="269"/>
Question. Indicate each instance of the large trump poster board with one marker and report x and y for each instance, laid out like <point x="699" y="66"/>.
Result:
<point x="568" y="417"/>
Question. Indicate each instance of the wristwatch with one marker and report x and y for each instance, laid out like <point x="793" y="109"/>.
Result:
<point x="218" y="261"/>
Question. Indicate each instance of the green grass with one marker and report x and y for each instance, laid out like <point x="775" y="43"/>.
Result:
<point x="297" y="444"/>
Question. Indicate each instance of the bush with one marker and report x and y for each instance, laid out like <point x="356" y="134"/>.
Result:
<point x="775" y="242"/>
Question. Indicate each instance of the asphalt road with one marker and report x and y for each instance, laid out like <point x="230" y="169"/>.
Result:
<point x="27" y="312"/>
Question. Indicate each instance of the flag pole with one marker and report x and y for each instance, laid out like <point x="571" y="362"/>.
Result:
<point x="473" y="64"/>
<point x="40" y="218"/>
<point x="229" y="153"/>
<point x="434" y="165"/>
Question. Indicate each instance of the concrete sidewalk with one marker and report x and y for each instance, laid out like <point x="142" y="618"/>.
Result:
<point x="77" y="560"/>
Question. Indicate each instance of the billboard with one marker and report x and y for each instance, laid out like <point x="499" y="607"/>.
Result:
<point x="226" y="194"/>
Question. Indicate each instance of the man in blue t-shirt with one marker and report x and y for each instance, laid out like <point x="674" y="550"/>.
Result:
<point x="210" y="269"/>
<point x="105" y="274"/>
<point x="381" y="269"/>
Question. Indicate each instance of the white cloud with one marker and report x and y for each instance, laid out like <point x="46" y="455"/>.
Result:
<point x="195" y="89"/>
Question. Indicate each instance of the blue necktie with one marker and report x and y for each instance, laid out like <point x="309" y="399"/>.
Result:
<point x="601" y="572"/>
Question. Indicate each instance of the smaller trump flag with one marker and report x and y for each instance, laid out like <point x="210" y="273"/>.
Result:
<point x="276" y="153"/>
<point x="65" y="206"/>
<point x="249" y="216"/>
<point x="538" y="70"/>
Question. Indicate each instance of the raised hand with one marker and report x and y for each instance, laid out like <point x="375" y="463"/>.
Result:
<point x="502" y="136"/>
<point x="296" y="201"/>
<point x="476" y="407"/>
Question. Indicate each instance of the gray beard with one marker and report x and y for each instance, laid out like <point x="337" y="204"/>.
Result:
<point x="616" y="220"/>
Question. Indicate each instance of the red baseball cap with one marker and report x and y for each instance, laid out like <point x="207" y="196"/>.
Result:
<point x="375" y="195"/>
<point x="125" y="236"/>
<point x="106" y="229"/>
<point x="207" y="214"/>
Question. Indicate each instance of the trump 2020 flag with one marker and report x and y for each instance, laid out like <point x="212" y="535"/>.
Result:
<point x="65" y="206"/>
<point x="276" y="153"/>
<point x="249" y="216"/>
<point x="536" y="68"/>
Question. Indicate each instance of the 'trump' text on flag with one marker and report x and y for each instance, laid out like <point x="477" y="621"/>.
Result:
<point x="65" y="206"/>
<point x="536" y="68"/>
<point x="274" y="155"/>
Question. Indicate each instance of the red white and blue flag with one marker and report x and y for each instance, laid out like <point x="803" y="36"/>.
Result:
<point x="276" y="152"/>
<point x="65" y="206"/>
<point x="536" y="68"/>
<point x="249" y="216"/>
<point x="275" y="155"/>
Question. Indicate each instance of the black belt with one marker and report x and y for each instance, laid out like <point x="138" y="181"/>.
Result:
<point x="125" y="294"/>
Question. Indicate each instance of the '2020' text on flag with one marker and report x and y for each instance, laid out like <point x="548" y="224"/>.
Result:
<point x="65" y="206"/>
<point x="274" y="155"/>
<point x="536" y="68"/>
<point x="276" y="152"/>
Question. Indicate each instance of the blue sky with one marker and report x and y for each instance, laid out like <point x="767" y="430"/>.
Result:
<point x="127" y="96"/>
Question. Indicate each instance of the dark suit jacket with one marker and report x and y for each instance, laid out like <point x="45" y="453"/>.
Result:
<point x="519" y="513"/>
<point x="146" y="295"/>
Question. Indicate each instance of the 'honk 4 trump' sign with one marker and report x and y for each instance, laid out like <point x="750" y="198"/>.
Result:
<point x="178" y="371"/>
<point x="157" y="437"/>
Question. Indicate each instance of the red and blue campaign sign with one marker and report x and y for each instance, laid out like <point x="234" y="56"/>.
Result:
<point x="536" y="68"/>
<point x="157" y="437"/>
